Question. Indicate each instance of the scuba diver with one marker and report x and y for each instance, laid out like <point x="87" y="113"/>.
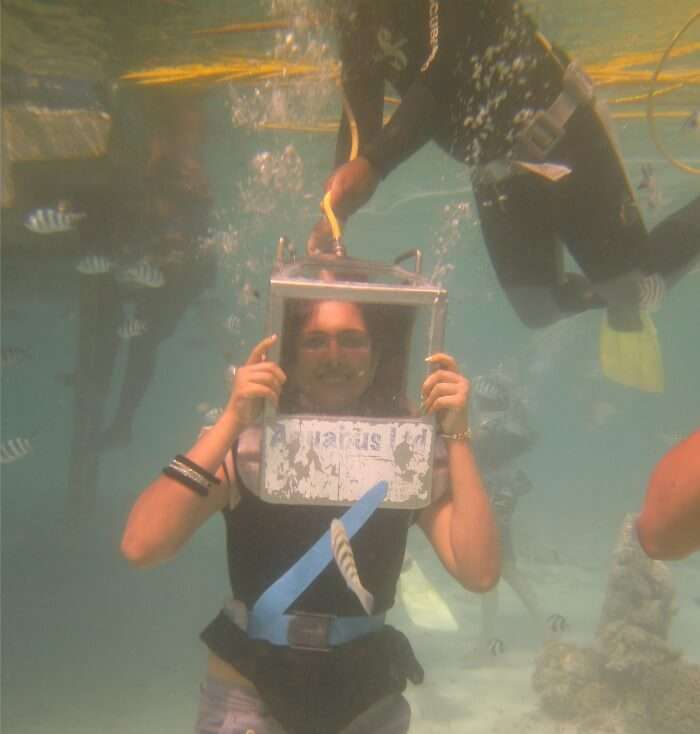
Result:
<point x="481" y="81"/>
<point x="501" y="434"/>
<point x="504" y="490"/>
<point x="145" y="222"/>
<point x="318" y="662"/>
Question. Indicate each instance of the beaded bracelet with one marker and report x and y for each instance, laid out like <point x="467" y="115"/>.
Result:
<point x="179" y="476"/>
<point x="461" y="436"/>
<point x="195" y="467"/>
<point x="191" y="475"/>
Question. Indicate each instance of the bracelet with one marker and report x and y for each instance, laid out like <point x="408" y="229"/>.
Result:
<point x="179" y="476"/>
<point x="195" y="467"/>
<point x="461" y="436"/>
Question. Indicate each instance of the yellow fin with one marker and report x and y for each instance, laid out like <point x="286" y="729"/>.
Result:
<point x="632" y="358"/>
<point x="422" y="603"/>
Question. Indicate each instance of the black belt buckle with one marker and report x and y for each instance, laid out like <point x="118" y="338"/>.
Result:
<point x="308" y="631"/>
<point x="539" y="137"/>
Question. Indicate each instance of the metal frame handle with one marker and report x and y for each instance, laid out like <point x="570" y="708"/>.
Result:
<point x="416" y="253"/>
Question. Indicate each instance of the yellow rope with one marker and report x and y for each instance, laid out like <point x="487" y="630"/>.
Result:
<point x="642" y="97"/>
<point x="244" y="69"/>
<point x="237" y="68"/>
<point x="265" y="25"/>
<point x="650" y="103"/>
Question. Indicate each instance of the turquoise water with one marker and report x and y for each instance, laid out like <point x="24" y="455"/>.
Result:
<point x="91" y="645"/>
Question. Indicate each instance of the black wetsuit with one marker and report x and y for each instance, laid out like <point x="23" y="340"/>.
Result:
<point x="471" y="75"/>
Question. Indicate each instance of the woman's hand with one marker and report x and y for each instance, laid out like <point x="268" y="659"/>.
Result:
<point x="446" y="393"/>
<point x="257" y="380"/>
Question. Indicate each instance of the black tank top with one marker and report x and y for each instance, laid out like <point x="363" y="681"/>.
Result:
<point x="264" y="540"/>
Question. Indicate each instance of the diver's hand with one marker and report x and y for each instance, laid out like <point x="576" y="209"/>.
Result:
<point x="257" y="380"/>
<point x="350" y="185"/>
<point x="446" y="393"/>
<point x="321" y="240"/>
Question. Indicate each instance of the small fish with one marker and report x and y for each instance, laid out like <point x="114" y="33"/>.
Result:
<point x="94" y="265"/>
<point x="647" y="180"/>
<point x="345" y="560"/>
<point x="692" y="122"/>
<point x="132" y="328"/>
<point x="491" y="391"/>
<point x="14" y="450"/>
<point x="652" y="291"/>
<point x="557" y="623"/>
<point x="52" y="221"/>
<point x="12" y="356"/>
<point x="233" y="324"/>
<point x="248" y="294"/>
<point x="650" y="185"/>
<point x="496" y="646"/>
<point x="142" y="274"/>
<point x="212" y="415"/>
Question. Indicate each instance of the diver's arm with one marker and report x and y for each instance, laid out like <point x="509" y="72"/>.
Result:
<point x="415" y="120"/>
<point x="460" y="526"/>
<point x="669" y="524"/>
<point x="167" y="513"/>
<point x="362" y="83"/>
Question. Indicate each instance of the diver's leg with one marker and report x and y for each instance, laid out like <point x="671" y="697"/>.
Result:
<point x="674" y="244"/>
<point x="517" y="226"/>
<point x="489" y="612"/>
<point x="99" y="314"/>
<point x="598" y="216"/>
<point x="230" y="709"/>
<point x="161" y="311"/>
<point x="522" y="587"/>
<point x="389" y="715"/>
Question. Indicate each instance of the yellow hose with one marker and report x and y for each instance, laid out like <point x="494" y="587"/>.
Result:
<point x="650" y="103"/>
<point x="336" y="229"/>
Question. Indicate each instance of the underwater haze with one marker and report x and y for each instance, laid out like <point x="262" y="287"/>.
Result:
<point x="152" y="157"/>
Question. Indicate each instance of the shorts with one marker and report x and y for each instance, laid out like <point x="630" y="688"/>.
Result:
<point x="233" y="709"/>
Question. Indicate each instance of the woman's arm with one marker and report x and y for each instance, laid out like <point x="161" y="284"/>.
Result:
<point x="669" y="524"/>
<point x="460" y="526"/>
<point x="167" y="513"/>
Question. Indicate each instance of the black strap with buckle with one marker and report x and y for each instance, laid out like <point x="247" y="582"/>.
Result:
<point x="307" y="631"/>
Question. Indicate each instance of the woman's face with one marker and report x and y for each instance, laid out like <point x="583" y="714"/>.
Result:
<point x="334" y="364"/>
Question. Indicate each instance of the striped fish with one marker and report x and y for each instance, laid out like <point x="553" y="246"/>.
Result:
<point x="94" y="265"/>
<point x="212" y="415"/>
<point x="12" y="356"/>
<point x="233" y="324"/>
<point x="496" y="646"/>
<point x="132" y="328"/>
<point x="345" y="560"/>
<point x="14" y="450"/>
<point x="652" y="291"/>
<point x="51" y="221"/>
<point x="142" y="274"/>
<point x="692" y="122"/>
<point x="557" y="623"/>
<point x="492" y="391"/>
